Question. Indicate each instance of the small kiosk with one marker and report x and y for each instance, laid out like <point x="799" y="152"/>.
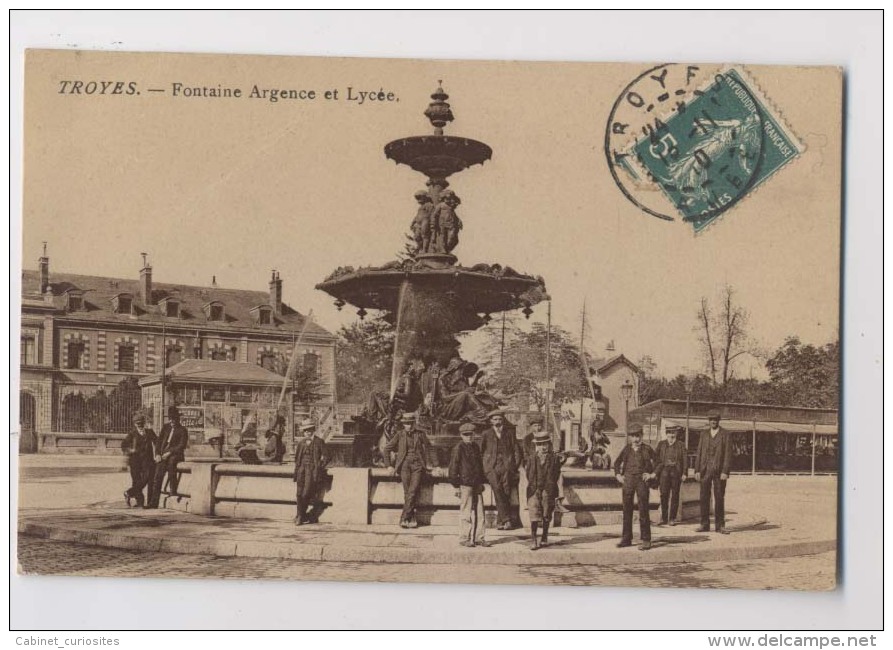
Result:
<point x="220" y="401"/>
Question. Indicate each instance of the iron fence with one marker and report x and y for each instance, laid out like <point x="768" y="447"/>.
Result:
<point x="81" y="410"/>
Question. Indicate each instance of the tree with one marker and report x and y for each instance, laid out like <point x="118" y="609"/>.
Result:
<point x="651" y="387"/>
<point x="124" y="401"/>
<point x="524" y="363"/>
<point x="805" y="375"/>
<point x="305" y="382"/>
<point x="723" y="336"/>
<point x="363" y="357"/>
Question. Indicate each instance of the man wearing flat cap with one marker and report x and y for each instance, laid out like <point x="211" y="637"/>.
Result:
<point x="411" y="465"/>
<point x="669" y="470"/>
<point x="467" y="476"/>
<point x="169" y="451"/>
<point x="712" y="468"/>
<point x="634" y="468"/>
<point x="543" y="468"/>
<point x="502" y="457"/>
<point x="310" y="468"/>
<point x="139" y="447"/>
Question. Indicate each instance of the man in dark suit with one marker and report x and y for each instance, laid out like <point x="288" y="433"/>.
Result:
<point x="670" y="470"/>
<point x="139" y="447"/>
<point x="411" y="464"/>
<point x="310" y="467"/>
<point x="634" y="468"/>
<point x="543" y="468"/>
<point x="712" y="470"/>
<point x="501" y="453"/>
<point x="168" y="452"/>
<point x="467" y="476"/>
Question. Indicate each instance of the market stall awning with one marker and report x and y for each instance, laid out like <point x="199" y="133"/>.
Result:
<point x="748" y="425"/>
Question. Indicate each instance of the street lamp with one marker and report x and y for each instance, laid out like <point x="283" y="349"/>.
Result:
<point x="626" y="392"/>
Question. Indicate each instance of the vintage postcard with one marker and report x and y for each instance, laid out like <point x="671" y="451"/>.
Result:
<point x="430" y="321"/>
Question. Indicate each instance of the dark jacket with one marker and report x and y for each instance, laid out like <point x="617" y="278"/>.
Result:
<point x="528" y="448"/>
<point x="545" y="474"/>
<point x="139" y="449"/>
<point x="662" y="461"/>
<point x="489" y="446"/>
<point x="399" y="442"/>
<point x="721" y="458"/>
<point x="466" y="465"/>
<point x="623" y="466"/>
<point x="316" y="451"/>
<point x="172" y="439"/>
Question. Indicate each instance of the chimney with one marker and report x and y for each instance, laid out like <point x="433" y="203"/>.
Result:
<point x="610" y="346"/>
<point x="146" y="281"/>
<point x="44" y="265"/>
<point x="276" y="292"/>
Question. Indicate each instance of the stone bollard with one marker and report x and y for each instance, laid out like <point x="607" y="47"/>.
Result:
<point x="349" y="496"/>
<point x="202" y="485"/>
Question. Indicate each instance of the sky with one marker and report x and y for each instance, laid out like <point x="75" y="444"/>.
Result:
<point x="233" y="188"/>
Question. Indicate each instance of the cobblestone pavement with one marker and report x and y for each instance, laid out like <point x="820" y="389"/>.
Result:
<point x="807" y="572"/>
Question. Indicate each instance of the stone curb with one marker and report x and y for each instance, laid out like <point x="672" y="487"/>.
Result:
<point x="553" y="555"/>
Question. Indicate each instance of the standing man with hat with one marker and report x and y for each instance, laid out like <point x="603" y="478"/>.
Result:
<point x="139" y="447"/>
<point x="467" y="476"/>
<point x="168" y="452"/>
<point x="634" y="468"/>
<point x="502" y="457"/>
<point x="411" y="464"/>
<point x="543" y="468"/>
<point x="310" y="467"/>
<point x="669" y="470"/>
<point x="712" y="470"/>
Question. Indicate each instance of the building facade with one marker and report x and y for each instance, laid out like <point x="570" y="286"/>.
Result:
<point x="87" y="340"/>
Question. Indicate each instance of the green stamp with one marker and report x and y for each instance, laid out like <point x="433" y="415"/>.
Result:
<point x="715" y="149"/>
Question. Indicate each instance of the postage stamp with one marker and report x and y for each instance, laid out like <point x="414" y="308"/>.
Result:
<point x="711" y="149"/>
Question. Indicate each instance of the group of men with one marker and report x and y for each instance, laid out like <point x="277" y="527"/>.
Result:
<point x="152" y="457"/>
<point x="497" y="462"/>
<point x="638" y="468"/>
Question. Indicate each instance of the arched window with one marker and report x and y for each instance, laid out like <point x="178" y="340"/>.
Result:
<point x="268" y="361"/>
<point x="312" y="364"/>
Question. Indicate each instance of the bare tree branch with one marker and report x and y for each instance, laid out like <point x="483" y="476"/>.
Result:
<point x="706" y="339"/>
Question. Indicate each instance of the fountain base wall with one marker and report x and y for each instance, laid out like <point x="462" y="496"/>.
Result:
<point x="359" y="496"/>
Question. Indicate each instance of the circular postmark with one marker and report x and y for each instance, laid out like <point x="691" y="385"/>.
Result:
<point x="685" y="140"/>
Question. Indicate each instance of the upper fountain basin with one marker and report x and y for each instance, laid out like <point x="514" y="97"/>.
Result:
<point x="438" y="156"/>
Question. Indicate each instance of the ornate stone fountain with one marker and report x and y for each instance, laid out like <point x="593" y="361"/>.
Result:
<point x="429" y="296"/>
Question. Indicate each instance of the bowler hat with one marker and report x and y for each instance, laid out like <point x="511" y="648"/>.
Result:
<point x="139" y="417"/>
<point x="173" y="412"/>
<point x="307" y="424"/>
<point x="541" y="436"/>
<point x="713" y="415"/>
<point x="634" y="430"/>
<point x="468" y="427"/>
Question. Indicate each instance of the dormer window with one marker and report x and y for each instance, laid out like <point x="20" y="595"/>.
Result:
<point x="263" y="314"/>
<point x="170" y="307"/>
<point x="122" y="303"/>
<point x="214" y="311"/>
<point x="74" y="300"/>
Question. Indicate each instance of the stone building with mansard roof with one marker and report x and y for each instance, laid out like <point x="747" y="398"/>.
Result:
<point x="82" y="336"/>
